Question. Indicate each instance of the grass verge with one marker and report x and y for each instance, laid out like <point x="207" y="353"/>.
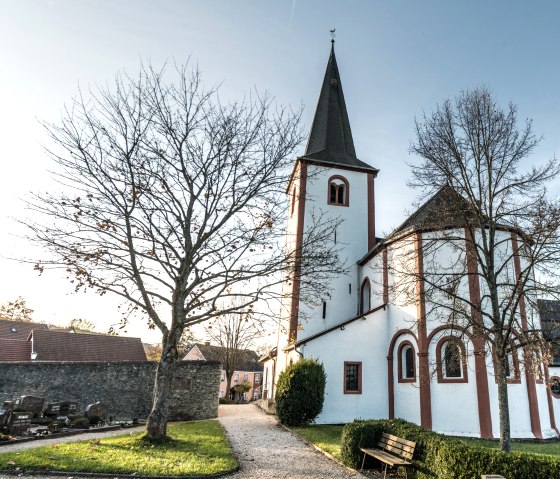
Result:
<point x="196" y="448"/>
<point x="325" y="437"/>
<point x="548" y="448"/>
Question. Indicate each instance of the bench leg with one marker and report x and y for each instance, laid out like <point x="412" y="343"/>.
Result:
<point x="385" y="471"/>
<point x="363" y="461"/>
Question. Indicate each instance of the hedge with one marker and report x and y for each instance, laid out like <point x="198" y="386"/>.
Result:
<point x="300" y="392"/>
<point x="439" y="456"/>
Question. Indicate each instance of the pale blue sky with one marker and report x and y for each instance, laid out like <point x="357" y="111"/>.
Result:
<point x="396" y="59"/>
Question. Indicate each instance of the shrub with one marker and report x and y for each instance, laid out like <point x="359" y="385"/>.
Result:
<point x="5" y="437"/>
<point x="80" y="421"/>
<point x="300" y="392"/>
<point x="226" y="401"/>
<point x="442" y="457"/>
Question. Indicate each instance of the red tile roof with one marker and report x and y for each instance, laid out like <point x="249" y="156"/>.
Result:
<point x="15" y="350"/>
<point x="63" y="346"/>
<point x="18" y="330"/>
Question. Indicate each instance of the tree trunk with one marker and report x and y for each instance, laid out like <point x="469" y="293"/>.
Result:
<point x="505" y="433"/>
<point x="156" y="426"/>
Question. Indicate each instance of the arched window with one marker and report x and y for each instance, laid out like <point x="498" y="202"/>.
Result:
<point x="365" y="297"/>
<point x="451" y="360"/>
<point x="407" y="363"/>
<point x="339" y="192"/>
<point x="554" y="384"/>
<point x="511" y="366"/>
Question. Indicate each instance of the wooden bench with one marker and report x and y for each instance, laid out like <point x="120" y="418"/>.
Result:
<point x="391" y="450"/>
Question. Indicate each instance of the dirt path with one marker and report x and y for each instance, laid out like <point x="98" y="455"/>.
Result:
<point x="266" y="450"/>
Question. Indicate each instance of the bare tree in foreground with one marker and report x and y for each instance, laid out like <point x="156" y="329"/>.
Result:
<point x="234" y="333"/>
<point x="175" y="202"/>
<point x="495" y="228"/>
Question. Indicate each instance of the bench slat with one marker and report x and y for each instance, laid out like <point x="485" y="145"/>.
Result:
<point x="398" y="439"/>
<point x="386" y="457"/>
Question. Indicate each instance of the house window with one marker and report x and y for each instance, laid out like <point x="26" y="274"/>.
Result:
<point x="554" y="384"/>
<point x="236" y="377"/>
<point x="352" y="377"/>
<point x="338" y="191"/>
<point x="257" y="378"/>
<point x="407" y="363"/>
<point x="365" y="297"/>
<point x="245" y="377"/>
<point x="451" y="360"/>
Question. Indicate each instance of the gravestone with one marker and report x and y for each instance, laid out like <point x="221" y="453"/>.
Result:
<point x="18" y="423"/>
<point x="3" y="416"/>
<point x="9" y="405"/>
<point x="32" y="404"/>
<point x="68" y="408"/>
<point x="99" y="410"/>
<point x="52" y="410"/>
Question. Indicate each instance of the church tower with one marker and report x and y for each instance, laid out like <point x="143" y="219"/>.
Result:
<point x="330" y="180"/>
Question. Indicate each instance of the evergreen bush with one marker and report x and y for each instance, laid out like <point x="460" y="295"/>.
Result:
<point x="443" y="457"/>
<point x="300" y="392"/>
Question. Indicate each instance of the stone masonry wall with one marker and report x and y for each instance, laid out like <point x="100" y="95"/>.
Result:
<point x="125" y="387"/>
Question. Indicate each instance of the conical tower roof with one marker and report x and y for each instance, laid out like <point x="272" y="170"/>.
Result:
<point x="330" y="138"/>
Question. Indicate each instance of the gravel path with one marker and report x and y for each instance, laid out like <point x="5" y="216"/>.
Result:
<point x="266" y="450"/>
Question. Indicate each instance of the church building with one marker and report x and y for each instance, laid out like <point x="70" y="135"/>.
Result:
<point x="385" y="357"/>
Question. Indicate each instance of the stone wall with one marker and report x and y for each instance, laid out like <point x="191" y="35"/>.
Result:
<point x="125" y="387"/>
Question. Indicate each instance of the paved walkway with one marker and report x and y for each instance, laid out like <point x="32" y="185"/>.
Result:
<point x="266" y="450"/>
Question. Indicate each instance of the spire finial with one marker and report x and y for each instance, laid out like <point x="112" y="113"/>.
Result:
<point x="333" y="35"/>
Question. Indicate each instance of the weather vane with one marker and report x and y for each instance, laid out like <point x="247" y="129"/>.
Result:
<point x="333" y="35"/>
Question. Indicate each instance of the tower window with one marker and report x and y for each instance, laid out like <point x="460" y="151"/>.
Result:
<point x="338" y="191"/>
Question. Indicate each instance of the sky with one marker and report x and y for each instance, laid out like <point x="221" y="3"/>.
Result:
<point x="397" y="59"/>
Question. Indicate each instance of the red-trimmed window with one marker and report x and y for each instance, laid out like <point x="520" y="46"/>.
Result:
<point x="406" y="362"/>
<point x="339" y="192"/>
<point x="513" y="376"/>
<point x="451" y="360"/>
<point x="554" y="385"/>
<point x="365" y="296"/>
<point x="352" y="377"/>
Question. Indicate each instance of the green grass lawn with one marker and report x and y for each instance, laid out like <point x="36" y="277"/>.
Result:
<point x="550" y="448"/>
<point x="326" y="437"/>
<point x="196" y="448"/>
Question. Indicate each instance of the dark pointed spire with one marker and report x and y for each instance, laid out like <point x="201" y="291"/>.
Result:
<point x="330" y="138"/>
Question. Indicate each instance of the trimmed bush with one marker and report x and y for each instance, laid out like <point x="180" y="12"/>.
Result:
<point x="300" y="392"/>
<point x="442" y="457"/>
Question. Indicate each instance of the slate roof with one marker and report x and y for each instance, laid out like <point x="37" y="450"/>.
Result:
<point x="446" y="208"/>
<point x="248" y="360"/>
<point x="13" y="350"/>
<point x="63" y="346"/>
<point x="18" y="330"/>
<point x="330" y="139"/>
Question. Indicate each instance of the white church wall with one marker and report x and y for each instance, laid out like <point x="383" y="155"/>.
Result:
<point x="362" y="341"/>
<point x="351" y="238"/>
<point x="554" y="371"/>
<point x="544" y="412"/>
<point x="373" y="270"/>
<point x="451" y="415"/>
<point x="400" y="257"/>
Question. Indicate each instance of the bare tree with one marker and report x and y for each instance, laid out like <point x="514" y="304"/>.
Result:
<point x="495" y="228"/>
<point x="173" y="201"/>
<point x="234" y="333"/>
<point x="82" y="325"/>
<point x="16" y="310"/>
